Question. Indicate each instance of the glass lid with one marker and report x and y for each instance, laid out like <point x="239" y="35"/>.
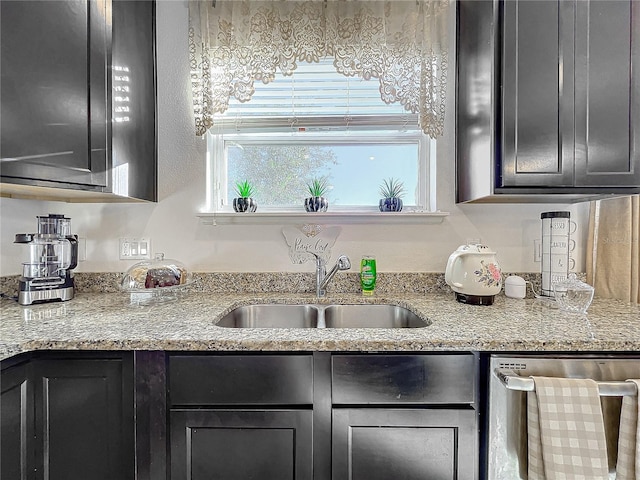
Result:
<point x="157" y="273"/>
<point x="573" y="295"/>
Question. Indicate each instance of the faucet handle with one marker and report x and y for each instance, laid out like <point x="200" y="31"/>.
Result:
<point x="343" y="262"/>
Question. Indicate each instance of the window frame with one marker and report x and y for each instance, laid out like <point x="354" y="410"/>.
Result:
<point x="217" y="167"/>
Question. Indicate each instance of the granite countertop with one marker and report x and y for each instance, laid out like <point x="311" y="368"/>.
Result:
<point x="109" y="321"/>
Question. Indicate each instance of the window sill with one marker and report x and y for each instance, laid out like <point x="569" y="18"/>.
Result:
<point x="333" y="218"/>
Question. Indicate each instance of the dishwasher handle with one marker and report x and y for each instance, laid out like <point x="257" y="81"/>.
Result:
<point x="526" y="384"/>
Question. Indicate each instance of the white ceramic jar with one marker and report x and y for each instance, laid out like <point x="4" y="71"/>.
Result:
<point x="515" y="287"/>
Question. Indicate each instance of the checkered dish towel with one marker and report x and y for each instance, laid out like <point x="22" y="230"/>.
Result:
<point x="628" y="467"/>
<point x="566" y="430"/>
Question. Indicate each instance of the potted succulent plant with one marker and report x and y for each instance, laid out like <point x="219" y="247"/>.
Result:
<point x="244" y="201"/>
<point x="317" y="189"/>
<point x="392" y="191"/>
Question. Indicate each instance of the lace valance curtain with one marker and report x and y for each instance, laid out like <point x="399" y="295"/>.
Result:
<point x="402" y="44"/>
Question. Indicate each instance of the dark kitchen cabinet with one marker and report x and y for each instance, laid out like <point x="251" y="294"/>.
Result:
<point x="236" y="444"/>
<point x="322" y="416"/>
<point x="607" y="93"/>
<point x="412" y="444"/>
<point x="241" y="416"/>
<point x="303" y="416"/>
<point x="73" y="416"/>
<point x="55" y="115"/>
<point x="78" y="99"/>
<point x="16" y="423"/>
<point x="547" y="100"/>
<point x="83" y="429"/>
<point x="404" y="416"/>
<point x="134" y="166"/>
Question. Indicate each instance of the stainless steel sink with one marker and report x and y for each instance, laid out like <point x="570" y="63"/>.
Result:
<point x="321" y="316"/>
<point x="271" y="316"/>
<point x="371" y="316"/>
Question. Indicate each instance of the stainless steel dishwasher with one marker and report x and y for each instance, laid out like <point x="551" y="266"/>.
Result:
<point x="506" y="443"/>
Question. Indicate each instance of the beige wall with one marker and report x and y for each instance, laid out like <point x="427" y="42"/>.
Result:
<point x="175" y="230"/>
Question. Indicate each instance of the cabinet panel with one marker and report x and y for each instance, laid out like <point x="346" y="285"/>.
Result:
<point x="241" y="379"/>
<point x="82" y="429"/>
<point x="134" y="165"/>
<point x="372" y="444"/>
<point x="151" y="415"/>
<point x="54" y="127"/>
<point x="16" y="424"/>
<point x="476" y="90"/>
<point x="241" y="444"/>
<point x="607" y="98"/>
<point x="537" y="102"/>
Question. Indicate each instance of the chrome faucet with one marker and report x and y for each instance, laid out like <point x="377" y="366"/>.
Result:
<point x="323" y="278"/>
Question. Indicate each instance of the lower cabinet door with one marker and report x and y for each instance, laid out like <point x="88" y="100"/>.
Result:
<point x="408" y="444"/>
<point x="16" y="423"/>
<point x="84" y="420"/>
<point x="241" y="444"/>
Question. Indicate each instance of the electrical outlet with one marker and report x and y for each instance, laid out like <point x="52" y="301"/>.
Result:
<point x="134" y="248"/>
<point x="537" y="251"/>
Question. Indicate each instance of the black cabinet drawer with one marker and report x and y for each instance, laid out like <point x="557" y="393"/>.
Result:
<point x="393" y="379"/>
<point x="241" y="379"/>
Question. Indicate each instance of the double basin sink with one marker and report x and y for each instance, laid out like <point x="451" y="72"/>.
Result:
<point x="321" y="316"/>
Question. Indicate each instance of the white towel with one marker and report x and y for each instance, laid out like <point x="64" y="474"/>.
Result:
<point x="628" y="466"/>
<point x="566" y="430"/>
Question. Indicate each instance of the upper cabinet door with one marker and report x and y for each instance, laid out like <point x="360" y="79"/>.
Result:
<point x="548" y="100"/>
<point x="54" y="127"/>
<point x="607" y="89"/>
<point x="134" y="154"/>
<point x="537" y="99"/>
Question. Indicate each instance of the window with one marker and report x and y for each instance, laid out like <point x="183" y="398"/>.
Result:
<point x="318" y="123"/>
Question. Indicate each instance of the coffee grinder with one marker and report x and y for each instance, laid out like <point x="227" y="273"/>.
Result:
<point x="53" y="254"/>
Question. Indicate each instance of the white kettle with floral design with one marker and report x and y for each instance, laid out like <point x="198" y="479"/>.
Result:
<point x="474" y="274"/>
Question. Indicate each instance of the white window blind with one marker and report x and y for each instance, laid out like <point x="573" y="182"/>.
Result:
<point x="315" y="97"/>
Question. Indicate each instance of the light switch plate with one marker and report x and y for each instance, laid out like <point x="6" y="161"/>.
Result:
<point x="134" y="248"/>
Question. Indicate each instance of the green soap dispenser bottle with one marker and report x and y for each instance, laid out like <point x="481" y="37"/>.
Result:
<point x="368" y="274"/>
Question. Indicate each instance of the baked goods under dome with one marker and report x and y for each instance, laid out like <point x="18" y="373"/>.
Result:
<point x="155" y="275"/>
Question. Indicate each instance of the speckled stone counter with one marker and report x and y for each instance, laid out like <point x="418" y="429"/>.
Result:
<point x="109" y="321"/>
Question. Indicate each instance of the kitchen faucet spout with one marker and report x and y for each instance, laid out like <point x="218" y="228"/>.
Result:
<point x="323" y="278"/>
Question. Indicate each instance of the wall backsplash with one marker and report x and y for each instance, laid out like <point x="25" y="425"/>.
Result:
<point x="269" y="282"/>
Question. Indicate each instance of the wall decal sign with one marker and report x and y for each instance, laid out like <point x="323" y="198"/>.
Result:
<point x="309" y="240"/>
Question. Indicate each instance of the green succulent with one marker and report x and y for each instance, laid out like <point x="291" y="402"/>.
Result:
<point x="318" y="187"/>
<point x="244" y="189"/>
<point x="392" y="188"/>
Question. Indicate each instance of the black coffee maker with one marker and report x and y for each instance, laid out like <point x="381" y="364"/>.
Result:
<point x="53" y="254"/>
